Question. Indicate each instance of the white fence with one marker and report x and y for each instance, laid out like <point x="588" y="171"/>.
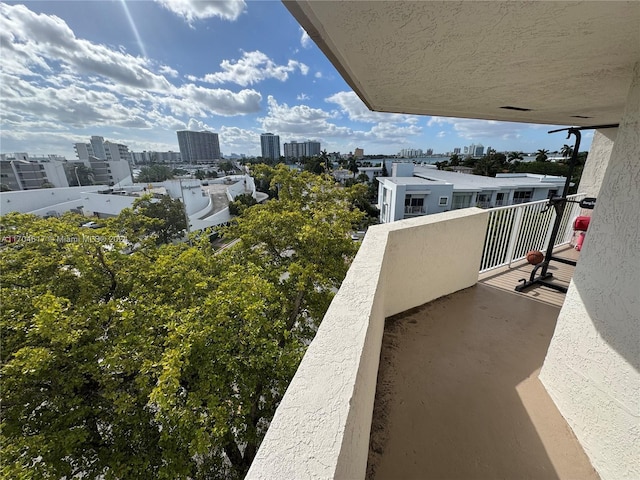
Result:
<point x="514" y="230"/>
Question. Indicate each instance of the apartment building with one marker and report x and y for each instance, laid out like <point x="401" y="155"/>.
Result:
<point x="198" y="147"/>
<point x="298" y="150"/>
<point x="413" y="191"/>
<point x="270" y="146"/>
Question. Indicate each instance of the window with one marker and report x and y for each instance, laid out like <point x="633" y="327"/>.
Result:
<point x="461" y="200"/>
<point x="483" y="200"/>
<point x="552" y="193"/>
<point x="443" y="201"/>
<point x="522" y="196"/>
<point x="499" y="199"/>
<point x="414" y="205"/>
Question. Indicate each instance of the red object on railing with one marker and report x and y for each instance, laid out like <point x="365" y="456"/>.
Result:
<point x="580" y="224"/>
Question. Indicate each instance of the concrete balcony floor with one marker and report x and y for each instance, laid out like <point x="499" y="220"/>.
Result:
<point x="458" y="394"/>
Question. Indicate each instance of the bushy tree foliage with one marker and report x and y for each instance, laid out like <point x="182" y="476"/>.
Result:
<point x="162" y="219"/>
<point x="241" y="203"/>
<point x="155" y="173"/>
<point x="170" y="361"/>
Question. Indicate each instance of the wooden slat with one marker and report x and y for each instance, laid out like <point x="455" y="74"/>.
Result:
<point x="507" y="278"/>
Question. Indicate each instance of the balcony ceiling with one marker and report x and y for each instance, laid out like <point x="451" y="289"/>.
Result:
<point x="569" y="63"/>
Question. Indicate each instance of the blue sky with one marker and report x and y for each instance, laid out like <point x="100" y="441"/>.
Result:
<point x="134" y="72"/>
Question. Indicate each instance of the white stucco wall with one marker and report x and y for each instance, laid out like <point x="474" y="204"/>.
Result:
<point x="26" y="201"/>
<point x="321" y="428"/>
<point x="592" y="368"/>
<point x="597" y="161"/>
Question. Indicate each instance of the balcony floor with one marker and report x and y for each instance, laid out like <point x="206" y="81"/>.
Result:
<point x="458" y="394"/>
<point x="507" y="278"/>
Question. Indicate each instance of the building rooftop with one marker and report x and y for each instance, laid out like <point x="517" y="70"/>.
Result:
<point x="465" y="180"/>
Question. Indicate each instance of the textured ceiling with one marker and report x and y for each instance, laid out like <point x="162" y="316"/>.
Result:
<point x="562" y="60"/>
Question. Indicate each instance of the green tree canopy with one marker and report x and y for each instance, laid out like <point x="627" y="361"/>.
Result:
<point x="542" y="155"/>
<point x="168" y="362"/>
<point x="241" y="203"/>
<point x="155" y="173"/>
<point x="164" y="219"/>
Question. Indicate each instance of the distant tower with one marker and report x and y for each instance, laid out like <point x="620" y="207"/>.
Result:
<point x="198" y="147"/>
<point x="270" y="144"/>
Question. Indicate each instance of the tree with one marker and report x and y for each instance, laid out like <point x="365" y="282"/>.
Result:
<point x="486" y="166"/>
<point x="454" y="161"/>
<point x="226" y="167"/>
<point x="163" y="220"/>
<point x="241" y="203"/>
<point x="79" y="171"/>
<point x="541" y="155"/>
<point x="566" y="151"/>
<point x="155" y="173"/>
<point x="515" y="157"/>
<point x="352" y="165"/>
<point x="168" y="362"/>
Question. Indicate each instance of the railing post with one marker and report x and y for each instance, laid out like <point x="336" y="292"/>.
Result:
<point x="515" y="233"/>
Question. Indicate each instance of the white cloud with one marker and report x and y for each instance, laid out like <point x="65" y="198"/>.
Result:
<point x="166" y="70"/>
<point x="39" y="41"/>
<point x="305" y="39"/>
<point x="356" y="110"/>
<point x="318" y="75"/>
<point x="198" y="126"/>
<point x="235" y="139"/>
<point x="192" y="10"/>
<point x="52" y="80"/>
<point x="300" y="121"/>
<point x="302" y="96"/>
<point x="470" y="129"/>
<point x="252" y="68"/>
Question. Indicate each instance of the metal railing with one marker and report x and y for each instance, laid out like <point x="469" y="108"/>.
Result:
<point x="414" y="210"/>
<point x="514" y="230"/>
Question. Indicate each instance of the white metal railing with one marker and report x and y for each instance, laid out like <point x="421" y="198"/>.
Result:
<point x="414" y="210"/>
<point x="514" y="230"/>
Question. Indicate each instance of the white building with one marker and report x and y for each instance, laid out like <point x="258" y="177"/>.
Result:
<point x="98" y="148"/>
<point x="297" y="150"/>
<point x="20" y="171"/>
<point x="412" y="191"/>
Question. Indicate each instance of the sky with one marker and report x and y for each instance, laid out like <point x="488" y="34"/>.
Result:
<point x="136" y="71"/>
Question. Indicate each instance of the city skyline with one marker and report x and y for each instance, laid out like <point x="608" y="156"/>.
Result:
<point x="238" y="69"/>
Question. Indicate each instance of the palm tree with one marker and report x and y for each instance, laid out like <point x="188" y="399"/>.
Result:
<point x="541" y="155"/>
<point x="566" y="151"/>
<point x="515" y="156"/>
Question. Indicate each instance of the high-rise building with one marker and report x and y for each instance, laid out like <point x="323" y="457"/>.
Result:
<point x="198" y="147"/>
<point x="97" y="148"/>
<point x="270" y="145"/>
<point x="297" y="150"/>
<point x="358" y="153"/>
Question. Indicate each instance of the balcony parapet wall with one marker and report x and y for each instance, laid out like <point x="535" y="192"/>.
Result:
<point x="321" y="428"/>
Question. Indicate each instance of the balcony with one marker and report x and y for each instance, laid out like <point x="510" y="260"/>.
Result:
<point x="414" y="210"/>
<point x="458" y="394"/>
<point x="495" y="344"/>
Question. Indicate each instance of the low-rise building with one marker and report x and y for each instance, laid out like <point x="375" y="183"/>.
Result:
<point x="412" y="191"/>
